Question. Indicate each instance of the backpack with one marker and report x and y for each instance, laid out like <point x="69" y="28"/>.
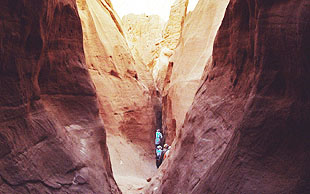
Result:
<point x="166" y="154"/>
<point x="163" y="153"/>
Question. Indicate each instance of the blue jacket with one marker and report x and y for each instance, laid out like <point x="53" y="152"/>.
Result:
<point x="158" y="138"/>
<point x="158" y="153"/>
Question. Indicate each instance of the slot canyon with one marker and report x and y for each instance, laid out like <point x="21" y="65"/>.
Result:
<point x="84" y="87"/>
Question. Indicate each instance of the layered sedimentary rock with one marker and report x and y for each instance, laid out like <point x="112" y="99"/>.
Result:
<point x="52" y="139"/>
<point x="143" y="32"/>
<point x="248" y="128"/>
<point x="190" y="59"/>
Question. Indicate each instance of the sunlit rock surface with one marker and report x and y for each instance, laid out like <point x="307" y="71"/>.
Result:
<point x="189" y="61"/>
<point x="124" y="88"/>
<point x="125" y="103"/>
<point x="248" y="128"/>
<point x="143" y="33"/>
<point x="147" y="35"/>
<point x="161" y="67"/>
<point x="152" y="42"/>
<point x="173" y="29"/>
<point x="52" y="139"/>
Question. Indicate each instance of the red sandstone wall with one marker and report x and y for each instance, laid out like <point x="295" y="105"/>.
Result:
<point x="51" y="137"/>
<point x="248" y="128"/>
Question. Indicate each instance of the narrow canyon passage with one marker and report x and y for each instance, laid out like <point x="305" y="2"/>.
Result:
<point x="84" y="84"/>
<point x="124" y="88"/>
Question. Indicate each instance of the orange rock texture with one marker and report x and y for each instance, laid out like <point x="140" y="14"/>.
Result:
<point x="247" y="130"/>
<point x="124" y="87"/>
<point x="125" y="101"/>
<point x="52" y="139"/>
<point x="190" y="59"/>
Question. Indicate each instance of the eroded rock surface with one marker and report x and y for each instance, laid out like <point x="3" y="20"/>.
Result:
<point x="173" y="29"/>
<point x="248" y="128"/>
<point x="171" y="33"/>
<point x="52" y="139"/>
<point x="189" y="61"/>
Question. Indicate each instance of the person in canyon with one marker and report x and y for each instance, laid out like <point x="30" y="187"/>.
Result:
<point x="158" y="138"/>
<point x="167" y="152"/>
<point x="165" y="149"/>
<point x="159" y="153"/>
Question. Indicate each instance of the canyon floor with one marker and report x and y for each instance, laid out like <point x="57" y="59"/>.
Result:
<point x="131" y="167"/>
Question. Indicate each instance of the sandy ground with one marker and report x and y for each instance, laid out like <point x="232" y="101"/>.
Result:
<point x="131" y="167"/>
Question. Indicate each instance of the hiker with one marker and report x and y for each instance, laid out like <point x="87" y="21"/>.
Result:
<point x="158" y="155"/>
<point x="167" y="152"/>
<point x="158" y="138"/>
<point x="165" y="149"/>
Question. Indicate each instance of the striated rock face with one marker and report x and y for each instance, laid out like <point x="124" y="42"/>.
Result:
<point x="190" y="59"/>
<point x="248" y="128"/>
<point x="52" y="139"/>
<point x="143" y="32"/>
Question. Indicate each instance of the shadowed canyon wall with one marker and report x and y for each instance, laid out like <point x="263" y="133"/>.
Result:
<point x="52" y="139"/>
<point x="247" y="130"/>
<point x="190" y="59"/>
